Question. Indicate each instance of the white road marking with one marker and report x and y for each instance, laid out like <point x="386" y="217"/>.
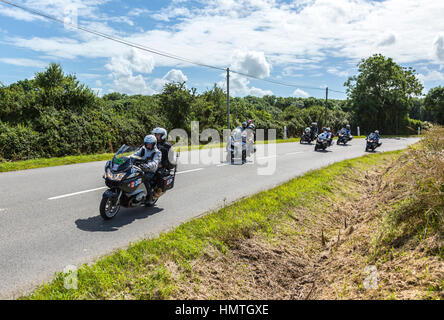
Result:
<point x="192" y="170"/>
<point x="2" y="209"/>
<point x="294" y="153"/>
<point x="90" y="190"/>
<point x="222" y="164"/>
<point x="75" y="193"/>
<point x="269" y="157"/>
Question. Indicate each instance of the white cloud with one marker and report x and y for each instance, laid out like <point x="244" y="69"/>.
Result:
<point x="252" y="63"/>
<point x="131" y="84"/>
<point x="17" y="14"/>
<point x="57" y="8"/>
<point x="131" y="61"/>
<point x="173" y="75"/>
<point x="240" y="87"/>
<point x="24" y="62"/>
<point x="98" y="91"/>
<point x="123" y="67"/>
<point x="292" y="72"/>
<point x="300" y="35"/>
<point x="432" y="75"/>
<point x="337" y="72"/>
<point x="300" y="93"/>
<point x="284" y="33"/>
<point x="171" y="13"/>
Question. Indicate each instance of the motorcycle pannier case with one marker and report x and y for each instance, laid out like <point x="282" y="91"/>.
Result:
<point x="168" y="182"/>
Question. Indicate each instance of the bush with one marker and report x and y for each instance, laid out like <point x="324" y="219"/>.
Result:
<point x="18" y="142"/>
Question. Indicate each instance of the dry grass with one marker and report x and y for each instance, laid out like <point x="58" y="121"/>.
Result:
<point x="386" y="218"/>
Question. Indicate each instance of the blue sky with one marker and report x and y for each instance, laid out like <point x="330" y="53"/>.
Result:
<point x="309" y="43"/>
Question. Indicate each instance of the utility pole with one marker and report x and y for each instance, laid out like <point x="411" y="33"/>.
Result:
<point x="228" y="98"/>
<point x="326" y="102"/>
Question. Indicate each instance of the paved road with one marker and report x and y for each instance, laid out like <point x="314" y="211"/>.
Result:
<point x="49" y="216"/>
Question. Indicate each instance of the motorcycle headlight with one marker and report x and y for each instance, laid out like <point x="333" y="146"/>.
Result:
<point x="115" y="176"/>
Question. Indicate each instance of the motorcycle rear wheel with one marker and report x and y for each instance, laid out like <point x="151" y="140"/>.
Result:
<point x="107" y="209"/>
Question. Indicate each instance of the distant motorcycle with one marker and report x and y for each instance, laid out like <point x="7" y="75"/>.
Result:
<point x="240" y="145"/>
<point x="125" y="178"/>
<point x="307" y="136"/>
<point x="372" y="143"/>
<point x="343" y="138"/>
<point x="322" y="142"/>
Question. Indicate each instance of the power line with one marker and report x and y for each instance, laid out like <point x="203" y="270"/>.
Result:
<point x="109" y="37"/>
<point x="154" y="51"/>
<point x="283" y="83"/>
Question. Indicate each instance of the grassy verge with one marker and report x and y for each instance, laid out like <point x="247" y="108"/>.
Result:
<point x="51" y="162"/>
<point x="168" y="266"/>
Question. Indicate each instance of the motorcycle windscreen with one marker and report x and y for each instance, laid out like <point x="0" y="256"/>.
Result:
<point x="120" y="160"/>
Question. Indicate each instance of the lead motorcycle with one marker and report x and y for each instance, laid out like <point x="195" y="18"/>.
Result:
<point x="125" y="180"/>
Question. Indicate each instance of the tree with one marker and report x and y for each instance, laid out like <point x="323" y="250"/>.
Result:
<point x="434" y="102"/>
<point x="382" y="94"/>
<point x="176" y="101"/>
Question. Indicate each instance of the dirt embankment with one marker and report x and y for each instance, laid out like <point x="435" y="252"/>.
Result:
<point x="377" y="236"/>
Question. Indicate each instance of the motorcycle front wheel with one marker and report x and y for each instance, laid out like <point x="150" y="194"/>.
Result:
<point x="108" y="209"/>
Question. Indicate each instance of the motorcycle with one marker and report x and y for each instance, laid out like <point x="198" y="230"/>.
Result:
<point x="343" y="138"/>
<point x="240" y="145"/>
<point x="372" y="143"/>
<point x="322" y="142"/>
<point x="125" y="180"/>
<point x="307" y="136"/>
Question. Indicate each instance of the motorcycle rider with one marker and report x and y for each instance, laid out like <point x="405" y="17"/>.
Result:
<point x="244" y="139"/>
<point x="346" y="132"/>
<point x="152" y="158"/>
<point x="314" y="130"/>
<point x="329" y="135"/>
<point x="376" y="137"/>
<point x="244" y="125"/>
<point x="165" y="165"/>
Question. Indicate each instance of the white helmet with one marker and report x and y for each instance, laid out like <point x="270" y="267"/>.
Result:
<point x="161" y="131"/>
<point x="150" y="139"/>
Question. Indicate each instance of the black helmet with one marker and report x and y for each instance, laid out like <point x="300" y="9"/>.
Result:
<point x="244" y="124"/>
